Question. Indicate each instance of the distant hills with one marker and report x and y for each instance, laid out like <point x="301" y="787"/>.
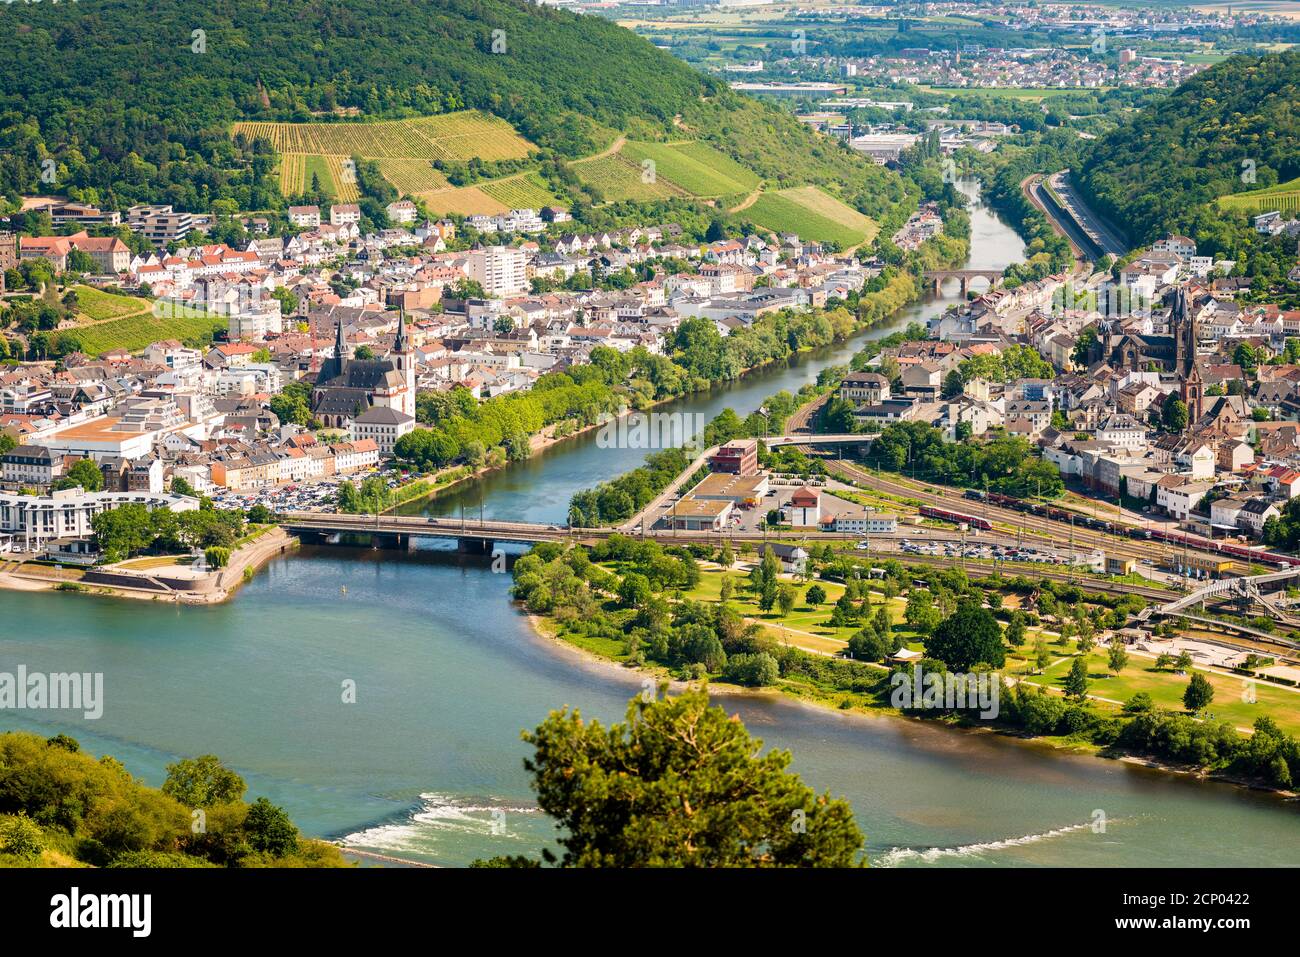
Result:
<point x="1234" y="128"/>
<point x="138" y="102"/>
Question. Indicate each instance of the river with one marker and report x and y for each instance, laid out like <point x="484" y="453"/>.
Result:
<point x="426" y="763"/>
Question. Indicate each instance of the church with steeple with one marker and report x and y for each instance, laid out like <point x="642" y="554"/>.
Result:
<point x="347" y="388"/>
<point x="1191" y="381"/>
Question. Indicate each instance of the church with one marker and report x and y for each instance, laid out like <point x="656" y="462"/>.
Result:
<point x="346" y="388"/>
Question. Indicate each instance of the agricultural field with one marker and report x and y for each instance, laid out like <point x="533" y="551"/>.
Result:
<point x="135" y="332"/>
<point x="411" y="177"/>
<point x="1284" y="197"/>
<point x="343" y="173"/>
<point x="452" y="136"/>
<point x="813" y="214"/>
<point x="695" y="167"/>
<point x="464" y="200"/>
<point x="620" y="178"/>
<point x="97" y="306"/>
<point x="522" y="191"/>
<point x="293" y="174"/>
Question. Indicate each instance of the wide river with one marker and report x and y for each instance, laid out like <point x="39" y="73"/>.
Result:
<point x="426" y="763"/>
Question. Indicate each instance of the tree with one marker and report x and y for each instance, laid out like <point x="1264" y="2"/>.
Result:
<point x="203" y="782"/>
<point x="1042" y="654"/>
<point x="122" y="531"/>
<point x="1184" y="661"/>
<point x="953" y="385"/>
<point x="969" y="636"/>
<point x="1199" y="693"/>
<point x="1117" y="657"/>
<point x="726" y="589"/>
<point x="1076" y="682"/>
<point x="785" y="599"/>
<point x="84" y="473"/>
<point x="363" y="353"/>
<point x="1015" y="634"/>
<point x="816" y="595"/>
<point x="1174" y="413"/>
<point x="269" y="829"/>
<point x="680" y="784"/>
<point x="920" y="613"/>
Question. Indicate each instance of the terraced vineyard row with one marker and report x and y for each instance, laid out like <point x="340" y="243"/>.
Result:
<point x="813" y="215"/>
<point x="412" y="176"/>
<point x="619" y="178"/>
<point x="523" y="191"/>
<point x="1284" y="198"/>
<point x="699" y="172"/>
<point x="344" y="175"/>
<point x="293" y="174"/>
<point x="453" y="136"/>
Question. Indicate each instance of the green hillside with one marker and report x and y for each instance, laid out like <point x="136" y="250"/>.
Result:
<point x="134" y="105"/>
<point x="1232" y="129"/>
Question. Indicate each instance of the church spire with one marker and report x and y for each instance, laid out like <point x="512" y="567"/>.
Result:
<point x="340" y="345"/>
<point x="401" y="345"/>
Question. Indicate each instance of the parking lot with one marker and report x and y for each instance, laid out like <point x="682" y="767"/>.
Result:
<point x="318" y="496"/>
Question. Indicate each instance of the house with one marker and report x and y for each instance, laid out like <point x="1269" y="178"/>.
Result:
<point x="383" y="424"/>
<point x="805" y="508"/>
<point x="865" y="522"/>
<point x="307" y="217"/>
<point x="738" y="457"/>
<point x="699" y="515"/>
<point x="402" y="211"/>
<point x="793" y="558"/>
<point x="343" y="214"/>
<point x="1255" y="513"/>
<point x="864" y="388"/>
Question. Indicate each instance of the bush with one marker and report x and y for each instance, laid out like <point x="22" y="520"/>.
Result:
<point x="20" y="836"/>
<point x="755" y="670"/>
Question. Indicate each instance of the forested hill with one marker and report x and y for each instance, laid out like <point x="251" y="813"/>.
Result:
<point x="1159" y="170"/>
<point x="133" y="102"/>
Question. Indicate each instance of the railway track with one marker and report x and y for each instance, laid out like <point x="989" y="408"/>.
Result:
<point x="1054" y="532"/>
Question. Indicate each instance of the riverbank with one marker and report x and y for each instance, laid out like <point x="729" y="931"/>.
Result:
<point x="551" y="636"/>
<point x="178" y="586"/>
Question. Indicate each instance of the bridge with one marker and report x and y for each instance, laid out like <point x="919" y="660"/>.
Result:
<point x="473" y="536"/>
<point x="937" y="277"/>
<point x="1245" y="591"/>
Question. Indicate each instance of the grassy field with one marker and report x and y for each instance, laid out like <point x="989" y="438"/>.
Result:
<point x="813" y="214"/>
<point x="1025" y="93"/>
<point x="1284" y="197"/>
<point x="465" y="200"/>
<point x="1166" y="690"/>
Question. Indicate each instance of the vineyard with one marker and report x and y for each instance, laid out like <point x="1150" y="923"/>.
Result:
<point x="812" y="215"/>
<point x="134" y="333"/>
<point x="293" y="174"/>
<point x="1283" y="198"/>
<point x="464" y="201"/>
<point x="694" y="167"/>
<point x="452" y="136"/>
<point x="619" y="178"/>
<point x="411" y="177"/>
<point x="522" y="191"/>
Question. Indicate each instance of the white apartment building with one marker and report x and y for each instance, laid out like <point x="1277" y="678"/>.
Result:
<point x="32" y="519"/>
<point x="500" y="270"/>
<point x="383" y="425"/>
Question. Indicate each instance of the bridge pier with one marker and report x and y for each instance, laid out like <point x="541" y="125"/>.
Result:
<point x="474" y="546"/>
<point x="398" y="542"/>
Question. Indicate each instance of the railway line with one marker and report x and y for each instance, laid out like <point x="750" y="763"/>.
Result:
<point x="1054" y="532"/>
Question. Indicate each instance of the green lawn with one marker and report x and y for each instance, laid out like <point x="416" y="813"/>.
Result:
<point x="1166" y="690"/>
